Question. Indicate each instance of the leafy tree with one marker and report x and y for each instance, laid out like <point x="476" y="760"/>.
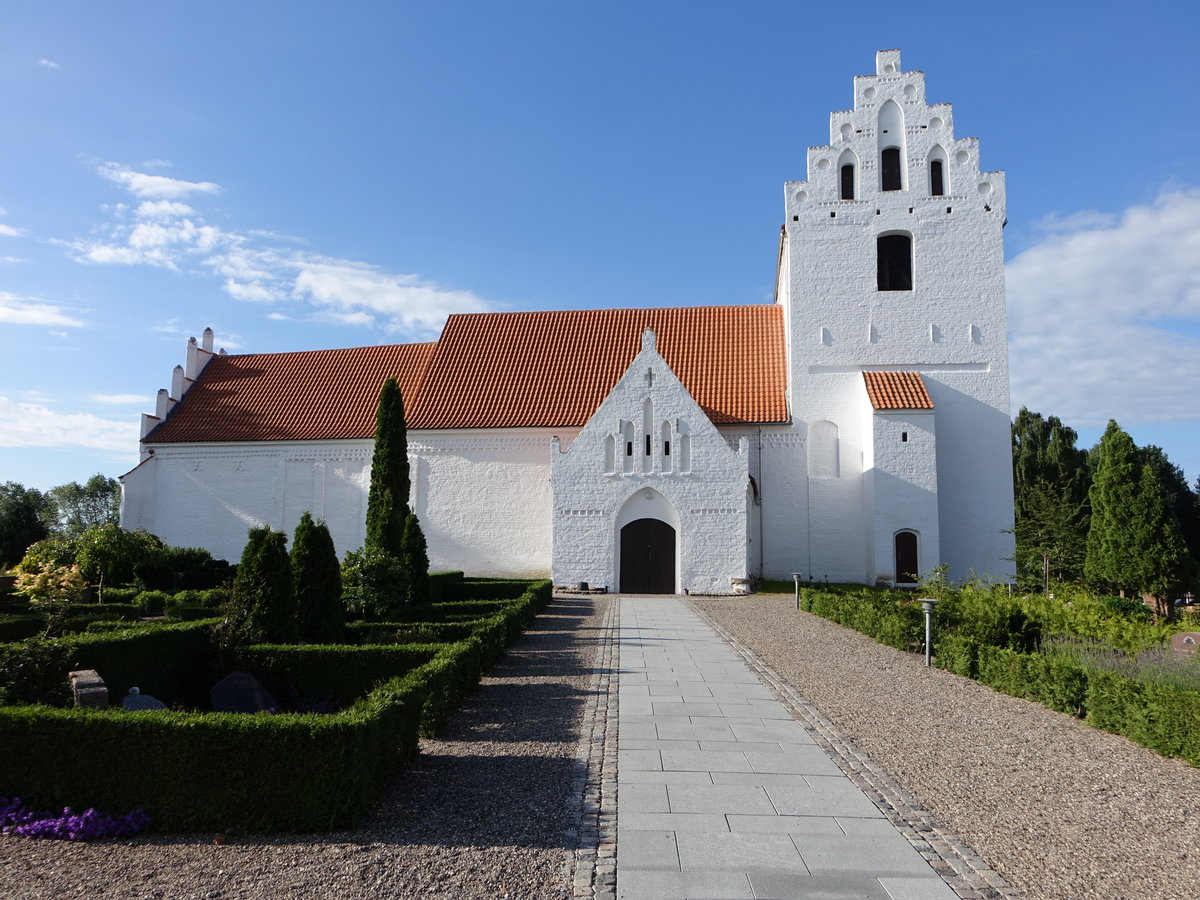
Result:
<point x="1051" y="479"/>
<point x="263" y="605"/>
<point x="21" y="521"/>
<point x="1135" y="543"/>
<point x="318" y="577"/>
<point x="108" y="554"/>
<point x="78" y="507"/>
<point x="415" y="557"/>
<point x="387" y="500"/>
<point x="1180" y="496"/>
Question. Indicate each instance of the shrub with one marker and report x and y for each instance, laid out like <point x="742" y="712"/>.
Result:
<point x="318" y="583"/>
<point x="414" y="555"/>
<point x="263" y="606"/>
<point x="152" y="603"/>
<point x="369" y="580"/>
<point x="34" y="671"/>
<point x="184" y="568"/>
<point x="108" y="554"/>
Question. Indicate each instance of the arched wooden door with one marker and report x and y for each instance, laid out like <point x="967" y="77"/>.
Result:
<point x="906" y="558"/>
<point x="647" y="557"/>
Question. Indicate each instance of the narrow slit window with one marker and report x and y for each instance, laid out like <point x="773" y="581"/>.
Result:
<point x="904" y="437"/>
<point x="647" y="445"/>
<point x="848" y="182"/>
<point x="666" y="448"/>
<point x="937" y="179"/>
<point x="890" y="169"/>
<point x="894" y="270"/>
<point x="629" y="448"/>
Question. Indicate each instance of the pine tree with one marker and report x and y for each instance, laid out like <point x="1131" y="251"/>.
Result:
<point x="416" y="561"/>
<point x="387" y="501"/>
<point x="263" y="606"/>
<point x="1114" y="496"/>
<point x="1160" y="558"/>
<point x="320" y="615"/>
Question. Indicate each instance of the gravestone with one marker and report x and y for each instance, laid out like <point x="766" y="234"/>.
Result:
<point x="1185" y="643"/>
<point x="88" y="689"/>
<point x="136" y="701"/>
<point x="241" y="692"/>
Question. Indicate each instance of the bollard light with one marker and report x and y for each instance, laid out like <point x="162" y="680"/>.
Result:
<point x="796" y="579"/>
<point x="927" y="604"/>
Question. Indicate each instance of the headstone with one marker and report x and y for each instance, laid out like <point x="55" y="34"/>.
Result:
<point x="241" y="692"/>
<point x="136" y="701"/>
<point x="1185" y="643"/>
<point x="88" y="689"/>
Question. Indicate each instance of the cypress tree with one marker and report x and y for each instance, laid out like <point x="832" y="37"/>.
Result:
<point x="320" y="615"/>
<point x="387" y="500"/>
<point x="416" y="561"/>
<point x="1160" y="558"/>
<point x="263" y="606"/>
<point x="1113" y="497"/>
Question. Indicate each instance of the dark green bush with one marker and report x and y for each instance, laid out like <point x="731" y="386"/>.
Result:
<point x="460" y="591"/>
<point x="263" y="606"/>
<point x="369" y="583"/>
<point x="152" y="603"/>
<point x="321" y="615"/>
<point x="34" y="671"/>
<point x="120" y="594"/>
<point x="438" y="582"/>
<point x="17" y="628"/>
<point x="183" y="568"/>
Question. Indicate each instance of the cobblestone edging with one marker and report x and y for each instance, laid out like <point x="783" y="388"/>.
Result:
<point x="590" y="869"/>
<point x="949" y="855"/>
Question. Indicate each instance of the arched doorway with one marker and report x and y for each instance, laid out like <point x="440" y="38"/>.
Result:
<point x="647" y="557"/>
<point x="907" y="565"/>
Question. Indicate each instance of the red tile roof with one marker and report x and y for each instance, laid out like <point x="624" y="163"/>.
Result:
<point x="897" y="390"/>
<point x="313" y="395"/>
<point x="491" y="370"/>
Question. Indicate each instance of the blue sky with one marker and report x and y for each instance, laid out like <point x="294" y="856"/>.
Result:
<point x="302" y="175"/>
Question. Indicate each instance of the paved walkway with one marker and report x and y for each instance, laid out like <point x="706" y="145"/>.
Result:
<point x="722" y="794"/>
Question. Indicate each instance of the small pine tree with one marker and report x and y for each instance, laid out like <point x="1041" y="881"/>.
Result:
<point x="416" y="561"/>
<point x="387" y="500"/>
<point x="263" y="605"/>
<point x="1160" y="559"/>
<point x="320" y="615"/>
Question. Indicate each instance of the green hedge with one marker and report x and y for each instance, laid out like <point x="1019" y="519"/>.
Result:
<point x="19" y="627"/>
<point x="457" y="592"/>
<point x="438" y="581"/>
<point x="1162" y="717"/>
<point x="409" y="632"/>
<point x="214" y="771"/>
<point x="888" y="617"/>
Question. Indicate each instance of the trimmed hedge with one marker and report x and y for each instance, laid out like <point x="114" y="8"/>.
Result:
<point x="17" y="628"/>
<point x="460" y="591"/>
<point x="215" y="771"/>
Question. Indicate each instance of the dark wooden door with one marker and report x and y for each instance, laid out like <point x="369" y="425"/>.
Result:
<point x="647" y="557"/>
<point x="906" y="558"/>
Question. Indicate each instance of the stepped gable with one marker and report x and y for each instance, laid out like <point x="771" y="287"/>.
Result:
<point x="303" y="396"/>
<point x="553" y="369"/>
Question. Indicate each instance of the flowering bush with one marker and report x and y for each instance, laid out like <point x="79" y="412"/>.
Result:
<point x="89" y="825"/>
<point x="51" y="584"/>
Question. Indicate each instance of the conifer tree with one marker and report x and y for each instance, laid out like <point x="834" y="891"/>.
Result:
<point x="387" y="500"/>
<point x="1116" y="476"/>
<point x="416" y="561"/>
<point x="263" y="605"/>
<point x="320" y="615"/>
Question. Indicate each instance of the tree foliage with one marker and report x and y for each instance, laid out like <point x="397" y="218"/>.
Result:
<point x="263" y="606"/>
<point x="77" y="507"/>
<point x="21" y="521"/>
<point x="1135" y="543"/>
<point x="1051" y="479"/>
<point x="387" y="500"/>
<point x="415" y="557"/>
<point x="320" y="615"/>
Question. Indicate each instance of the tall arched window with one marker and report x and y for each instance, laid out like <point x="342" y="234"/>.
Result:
<point x="848" y="181"/>
<point x="894" y="266"/>
<point x="937" y="178"/>
<point x="907" y="563"/>
<point x="823" y="450"/>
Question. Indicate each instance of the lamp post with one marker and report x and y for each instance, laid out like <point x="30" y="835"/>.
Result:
<point x="796" y="579"/>
<point x="927" y="604"/>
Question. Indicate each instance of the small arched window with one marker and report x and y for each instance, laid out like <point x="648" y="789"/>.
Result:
<point x="937" y="178"/>
<point x="890" y="169"/>
<point x="848" y="181"/>
<point x="894" y="266"/>
<point x="823" y="450"/>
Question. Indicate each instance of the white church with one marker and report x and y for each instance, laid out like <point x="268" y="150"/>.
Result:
<point x="855" y="430"/>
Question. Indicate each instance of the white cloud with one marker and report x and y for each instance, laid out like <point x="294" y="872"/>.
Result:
<point x="141" y="184"/>
<point x="30" y="311"/>
<point x="48" y="63"/>
<point x="158" y="164"/>
<point x="163" y="209"/>
<point x="121" y="399"/>
<point x="10" y="231"/>
<point x="1104" y="315"/>
<point x="30" y="425"/>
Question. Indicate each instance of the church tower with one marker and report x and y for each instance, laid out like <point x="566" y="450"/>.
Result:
<point x="891" y="275"/>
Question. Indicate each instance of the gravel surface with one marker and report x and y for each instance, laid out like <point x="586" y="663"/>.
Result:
<point x="483" y="812"/>
<point x="1060" y="809"/>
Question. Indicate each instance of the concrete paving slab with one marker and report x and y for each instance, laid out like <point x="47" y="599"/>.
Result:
<point x="834" y="799"/>
<point x="632" y="760"/>
<point x="748" y="799"/>
<point x="698" y="760"/>
<point x="924" y="888"/>
<point x="648" y="798"/>
<point x="739" y="852"/>
<point x="827" y="854"/>
<point x="652" y="777"/>
<point x="776" y="886"/>
<point x="648" y="851"/>
<point x="642" y="885"/>
<point x="677" y="822"/>
<point x="786" y="824"/>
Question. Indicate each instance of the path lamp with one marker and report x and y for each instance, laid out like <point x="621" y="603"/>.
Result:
<point x="796" y="579"/>
<point x="927" y="605"/>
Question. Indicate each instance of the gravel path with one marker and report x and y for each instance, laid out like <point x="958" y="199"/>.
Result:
<point x="1060" y="809"/>
<point x="483" y="813"/>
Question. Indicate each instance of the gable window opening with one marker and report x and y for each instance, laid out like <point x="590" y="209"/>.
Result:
<point x="629" y="448"/>
<point x="647" y="445"/>
<point x="847" y="182"/>
<point x="904" y="437"/>
<point x="890" y="169"/>
<point x="666" y="448"/>
<point x="937" y="181"/>
<point x="894" y="262"/>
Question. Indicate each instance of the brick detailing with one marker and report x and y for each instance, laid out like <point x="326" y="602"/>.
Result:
<point x="590" y="867"/>
<point x="967" y="874"/>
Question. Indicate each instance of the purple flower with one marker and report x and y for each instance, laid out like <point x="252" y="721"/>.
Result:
<point x="89" y="825"/>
